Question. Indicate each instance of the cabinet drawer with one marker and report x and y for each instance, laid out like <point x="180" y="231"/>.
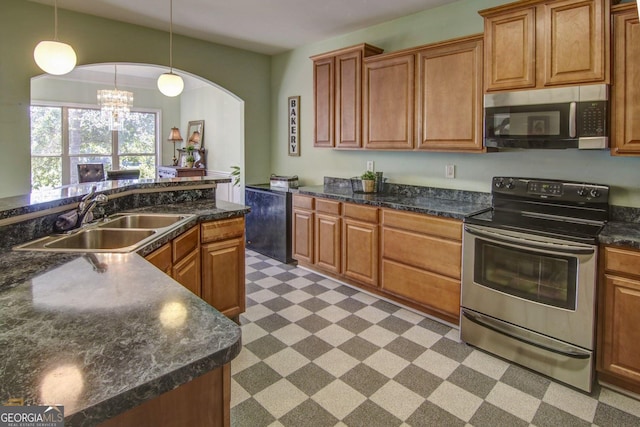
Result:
<point x="222" y="229"/>
<point x="433" y="290"/>
<point x="304" y="202"/>
<point x="185" y="243"/>
<point x="328" y="206"/>
<point x="427" y="224"/>
<point x="361" y="213"/>
<point x="428" y="253"/>
<point x="622" y="260"/>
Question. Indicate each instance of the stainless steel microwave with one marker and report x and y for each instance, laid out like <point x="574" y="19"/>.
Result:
<point x="566" y="117"/>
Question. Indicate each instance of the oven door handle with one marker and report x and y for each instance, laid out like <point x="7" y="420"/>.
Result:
<point x="567" y="249"/>
<point x="504" y="329"/>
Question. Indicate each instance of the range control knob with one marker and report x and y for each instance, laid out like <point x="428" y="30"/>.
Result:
<point x="594" y="193"/>
<point x="583" y="192"/>
<point x="499" y="183"/>
<point x="511" y="184"/>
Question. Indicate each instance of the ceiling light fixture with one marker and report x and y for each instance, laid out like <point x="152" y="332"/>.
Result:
<point x="115" y="104"/>
<point x="170" y="84"/>
<point x="52" y="56"/>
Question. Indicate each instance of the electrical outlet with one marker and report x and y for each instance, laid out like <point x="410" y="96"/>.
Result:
<point x="370" y="165"/>
<point x="450" y="171"/>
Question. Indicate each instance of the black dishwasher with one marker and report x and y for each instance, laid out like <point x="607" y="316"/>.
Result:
<point x="268" y="225"/>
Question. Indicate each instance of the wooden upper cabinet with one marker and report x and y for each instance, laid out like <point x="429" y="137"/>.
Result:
<point x="625" y="91"/>
<point x="546" y="43"/>
<point x="337" y="80"/>
<point x="450" y="96"/>
<point x="510" y="50"/>
<point x="389" y="101"/>
<point x="323" y="92"/>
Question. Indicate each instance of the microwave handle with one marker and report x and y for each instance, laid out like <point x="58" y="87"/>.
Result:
<point x="572" y="120"/>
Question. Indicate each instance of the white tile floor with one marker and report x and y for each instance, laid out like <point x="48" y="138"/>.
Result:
<point x="319" y="353"/>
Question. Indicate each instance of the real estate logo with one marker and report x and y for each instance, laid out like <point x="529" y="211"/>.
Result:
<point x="13" y="413"/>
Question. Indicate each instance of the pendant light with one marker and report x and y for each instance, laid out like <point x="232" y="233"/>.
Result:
<point x="52" y="56"/>
<point x="115" y="104"/>
<point x="170" y="84"/>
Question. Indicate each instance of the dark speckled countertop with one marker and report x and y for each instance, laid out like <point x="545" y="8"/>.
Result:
<point x="102" y="333"/>
<point x="435" y="203"/>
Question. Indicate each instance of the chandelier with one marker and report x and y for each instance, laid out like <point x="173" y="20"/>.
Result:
<point x="115" y="104"/>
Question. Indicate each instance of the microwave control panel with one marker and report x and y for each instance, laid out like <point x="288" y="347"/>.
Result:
<point x="592" y="118"/>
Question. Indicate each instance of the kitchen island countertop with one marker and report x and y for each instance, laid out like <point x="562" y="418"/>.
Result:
<point x="102" y="333"/>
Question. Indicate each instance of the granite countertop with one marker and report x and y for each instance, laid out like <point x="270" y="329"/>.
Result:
<point x="444" y="203"/>
<point x="620" y="233"/>
<point x="102" y="333"/>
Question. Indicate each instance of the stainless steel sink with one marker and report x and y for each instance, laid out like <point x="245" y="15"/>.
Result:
<point x="100" y="238"/>
<point x="146" y="221"/>
<point x="123" y="232"/>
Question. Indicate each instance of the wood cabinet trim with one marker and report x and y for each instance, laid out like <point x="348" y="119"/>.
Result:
<point x="186" y="243"/>
<point x="161" y="258"/>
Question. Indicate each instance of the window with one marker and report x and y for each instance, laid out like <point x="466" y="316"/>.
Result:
<point x="62" y="137"/>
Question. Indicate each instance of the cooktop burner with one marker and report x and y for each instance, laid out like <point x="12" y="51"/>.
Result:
<point x="560" y="209"/>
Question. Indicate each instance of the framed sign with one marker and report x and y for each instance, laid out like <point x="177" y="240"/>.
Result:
<point x="293" y="106"/>
<point x="195" y="134"/>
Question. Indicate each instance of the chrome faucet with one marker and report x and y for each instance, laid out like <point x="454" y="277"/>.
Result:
<point x="88" y="204"/>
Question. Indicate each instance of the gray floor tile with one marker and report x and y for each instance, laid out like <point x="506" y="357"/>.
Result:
<point x="351" y="305"/>
<point x="313" y="323"/>
<point x="346" y="290"/>
<point x="394" y="324"/>
<point x="308" y="414"/>
<point x="314" y="304"/>
<point x="286" y="276"/>
<point x="272" y="322"/>
<point x="525" y="380"/>
<point x="314" y="289"/>
<point x="404" y="348"/>
<point x="453" y="350"/>
<point x="252" y="287"/>
<point x="434" y="326"/>
<point x="313" y="277"/>
<point x="282" y="289"/>
<point x="550" y="416"/>
<point x="364" y="379"/>
<point x="472" y="381"/>
<point x="277" y="304"/>
<point x="310" y="378"/>
<point x="265" y="346"/>
<point x="369" y="414"/>
<point x="418" y="380"/>
<point x="609" y="416"/>
<point x="312" y="347"/>
<point x="250" y="414"/>
<point x="353" y="323"/>
<point x="489" y="415"/>
<point x="359" y="348"/>
<point x="256" y="275"/>
<point x="386" y="306"/>
<point x="257" y="377"/>
<point x="258" y="266"/>
<point x="430" y="415"/>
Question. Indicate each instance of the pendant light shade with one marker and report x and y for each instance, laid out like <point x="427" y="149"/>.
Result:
<point x="170" y="84"/>
<point x="52" y="56"/>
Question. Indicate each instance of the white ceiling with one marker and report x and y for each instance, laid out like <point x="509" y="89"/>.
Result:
<point x="264" y="26"/>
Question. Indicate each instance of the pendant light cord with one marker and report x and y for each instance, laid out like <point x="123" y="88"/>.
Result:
<point x="55" y="20"/>
<point x="171" y="36"/>
<point x="115" y="76"/>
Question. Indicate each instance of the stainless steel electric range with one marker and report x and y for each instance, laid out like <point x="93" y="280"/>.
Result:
<point x="529" y="275"/>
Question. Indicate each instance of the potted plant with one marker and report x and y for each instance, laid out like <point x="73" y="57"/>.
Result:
<point x="368" y="181"/>
<point x="190" y="159"/>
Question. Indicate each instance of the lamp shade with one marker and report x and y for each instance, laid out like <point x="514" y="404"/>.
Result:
<point x="170" y="84"/>
<point x="195" y="137"/>
<point x="175" y="135"/>
<point x="55" y="57"/>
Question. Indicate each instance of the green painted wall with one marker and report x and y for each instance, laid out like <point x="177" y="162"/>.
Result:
<point x="292" y="74"/>
<point x="23" y="24"/>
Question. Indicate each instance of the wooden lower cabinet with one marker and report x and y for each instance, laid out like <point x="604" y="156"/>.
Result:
<point x="618" y="319"/>
<point x="223" y="276"/>
<point x="303" y="228"/>
<point x="203" y="402"/>
<point x="360" y="251"/>
<point x="209" y="261"/>
<point x="327" y="242"/>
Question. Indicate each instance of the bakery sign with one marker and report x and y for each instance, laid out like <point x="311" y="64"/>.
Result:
<point x="294" y="125"/>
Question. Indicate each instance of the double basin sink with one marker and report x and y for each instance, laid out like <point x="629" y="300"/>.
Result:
<point x="122" y="232"/>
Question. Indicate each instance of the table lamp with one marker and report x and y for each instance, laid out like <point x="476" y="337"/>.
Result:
<point x="173" y="137"/>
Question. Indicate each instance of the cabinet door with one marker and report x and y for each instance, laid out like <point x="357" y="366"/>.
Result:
<point x="388" y="102"/>
<point x="323" y="91"/>
<point x="625" y="105"/>
<point x="187" y="272"/>
<point x="621" y="336"/>
<point x="360" y="251"/>
<point x="303" y="235"/>
<point x="576" y="41"/>
<point x="450" y="97"/>
<point x="510" y="50"/>
<point x="223" y="276"/>
<point x="348" y="108"/>
<point x="161" y="258"/>
<point x="327" y="239"/>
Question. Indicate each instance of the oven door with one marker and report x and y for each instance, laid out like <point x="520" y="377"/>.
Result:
<point x="541" y="284"/>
